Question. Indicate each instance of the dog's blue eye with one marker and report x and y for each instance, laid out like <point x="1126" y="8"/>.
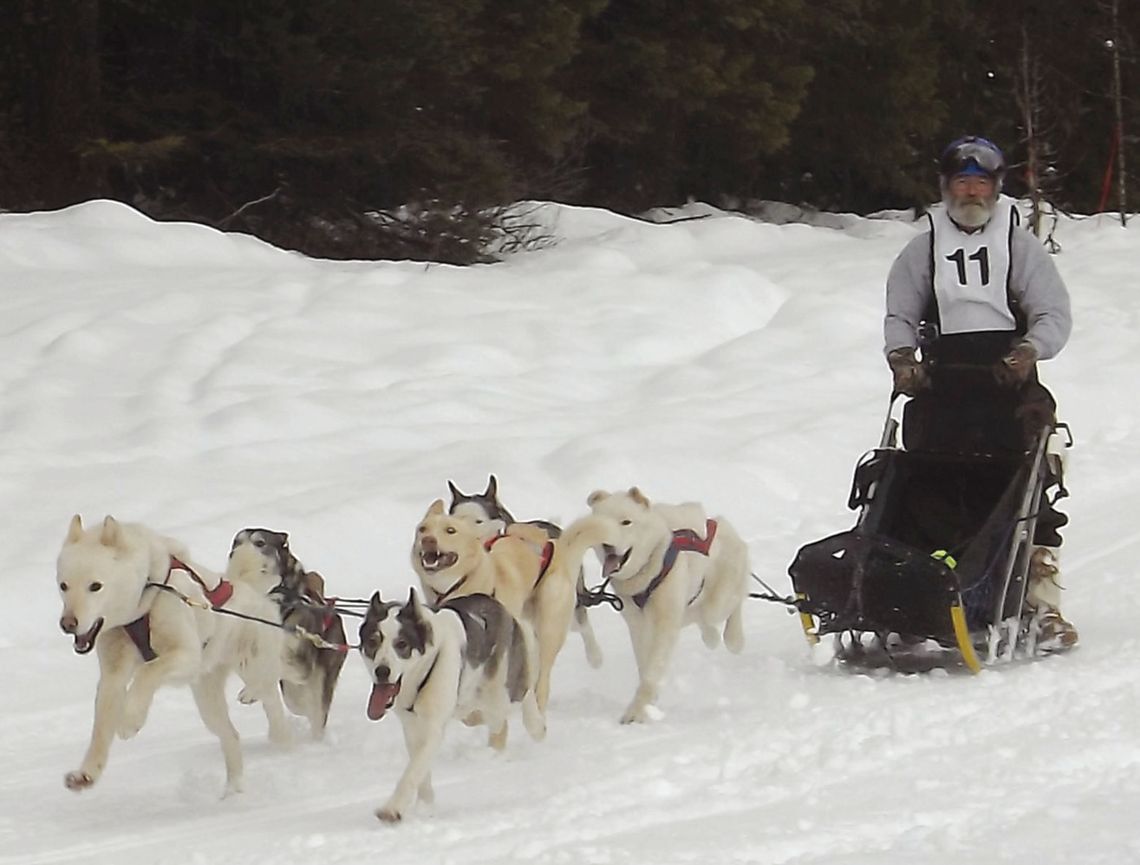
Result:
<point x="259" y="543"/>
<point x="400" y="645"/>
<point x="96" y="587"/>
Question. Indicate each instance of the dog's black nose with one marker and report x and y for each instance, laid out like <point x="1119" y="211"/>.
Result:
<point x="68" y="623"/>
<point x="382" y="675"/>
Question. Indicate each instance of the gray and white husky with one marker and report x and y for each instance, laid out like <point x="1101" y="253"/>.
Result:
<point x="492" y="518"/>
<point x="468" y="659"/>
<point x="262" y="557"/>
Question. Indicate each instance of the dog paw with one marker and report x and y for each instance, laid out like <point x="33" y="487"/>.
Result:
<point x="634" y="716"/>
<point x="642" y="714"/>
<point x="389" y="814"/>
<point x="78" y="780"/>
<point x="246" y="698"/>
<point x="710" y="635"/>
<point x="233" y="787"/>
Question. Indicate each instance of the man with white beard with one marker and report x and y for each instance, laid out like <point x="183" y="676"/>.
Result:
<point x="972" y="305"/>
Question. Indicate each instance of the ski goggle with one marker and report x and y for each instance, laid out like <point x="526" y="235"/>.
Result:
<point x="972" y="155"/>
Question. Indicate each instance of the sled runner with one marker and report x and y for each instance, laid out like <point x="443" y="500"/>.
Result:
<point x="940" y="550"/>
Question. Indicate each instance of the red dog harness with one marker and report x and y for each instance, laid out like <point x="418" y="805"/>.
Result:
<point x="139" y="629"/>
<point x="684" y="541"/>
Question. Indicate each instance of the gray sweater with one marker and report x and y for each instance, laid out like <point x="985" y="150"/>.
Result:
<point x="1034" y="282"/>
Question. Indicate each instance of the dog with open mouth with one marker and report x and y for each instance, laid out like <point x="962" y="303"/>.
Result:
<point x="452" y="559"/>
<point x="468" y="659"/>
<point x="125" y="589"/>
<point x="671" y="566"/>
<point x="492" y="518"/>
<point x="262" y="558"/>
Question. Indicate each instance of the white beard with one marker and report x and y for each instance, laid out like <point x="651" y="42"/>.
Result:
<point x="970" y="214"/>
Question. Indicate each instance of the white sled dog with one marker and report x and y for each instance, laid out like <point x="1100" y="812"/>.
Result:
<point x="492" y="518"/>
<point x="262" y="558"/>
<point x="469" y="659"/>
<point x="121" y="584"/>
<point x="671" y="566"/>
<point x="452" y="559"/>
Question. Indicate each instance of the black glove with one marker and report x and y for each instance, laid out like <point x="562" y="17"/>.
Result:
<point x="910" y="375"/>
<point x="1013" y="370"/>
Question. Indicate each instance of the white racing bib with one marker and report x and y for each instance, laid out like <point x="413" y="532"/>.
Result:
<point x="971" y="271"/>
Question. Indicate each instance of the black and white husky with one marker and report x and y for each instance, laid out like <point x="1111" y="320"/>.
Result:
<point x="468" y="659"/>
<point x="492" y="518"/>
<point x="262" y="558"/>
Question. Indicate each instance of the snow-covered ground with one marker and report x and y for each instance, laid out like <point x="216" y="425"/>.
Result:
<point x="202" y="382"/>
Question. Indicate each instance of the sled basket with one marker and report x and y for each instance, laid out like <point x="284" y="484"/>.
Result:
<point x="940" y="549"/>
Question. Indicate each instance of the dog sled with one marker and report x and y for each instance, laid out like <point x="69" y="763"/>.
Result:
<point x="941" y="548"/>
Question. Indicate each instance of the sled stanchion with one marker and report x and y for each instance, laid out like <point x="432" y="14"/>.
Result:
<point x="808" y="622"/>
<point x="962" y="634"/>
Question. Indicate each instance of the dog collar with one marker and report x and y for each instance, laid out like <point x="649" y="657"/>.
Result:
<point x="455" y="587"/>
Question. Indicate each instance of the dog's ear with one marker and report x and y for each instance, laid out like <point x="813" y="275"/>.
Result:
<point x="109" y="537"/>
<point x="435" y="509"/>
<point x="492" y="490"/>
<point x="596" y="496"/>
<point x="376" y="603"/>
<point x="638" y="496"/>
<point x="74" y="529"/>
<point x="415" y="606"/>
<point x="454" y="490"/>
<point x="315" y="584"/>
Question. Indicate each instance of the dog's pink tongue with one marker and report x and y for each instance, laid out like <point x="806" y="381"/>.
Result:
<point x="381" y="699"/>
<point x="610" y="564"/>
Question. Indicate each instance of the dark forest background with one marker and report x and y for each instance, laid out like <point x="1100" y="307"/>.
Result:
<point x="402" y="128"/>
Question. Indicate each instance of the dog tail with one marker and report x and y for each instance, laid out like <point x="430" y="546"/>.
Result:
<point x="579" y="538"/>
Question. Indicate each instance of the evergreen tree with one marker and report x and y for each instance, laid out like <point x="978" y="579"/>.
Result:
<point x="679" y="91"/>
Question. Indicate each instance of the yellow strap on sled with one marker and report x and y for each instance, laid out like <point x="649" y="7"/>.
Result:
<point x="962" y="634"/>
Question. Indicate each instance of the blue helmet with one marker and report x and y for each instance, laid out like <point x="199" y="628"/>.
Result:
<point x="972" y="155"/>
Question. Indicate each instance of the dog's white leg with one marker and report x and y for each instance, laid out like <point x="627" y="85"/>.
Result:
<point x="654" y="647"/>
<point x="261" y="671"/>
<point x="280" y="733"/>
<point x="422" y="738"/>
<point x="177" y="664"/>
<point x="315" y="710"/>
<point x="497" y="738"/>
<point x="496" y="703"/>
<point x="734" y="630"/>
<point x="115" y="670"/>
<point x="210" y="696"/>
<point x="533" y="718"/>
